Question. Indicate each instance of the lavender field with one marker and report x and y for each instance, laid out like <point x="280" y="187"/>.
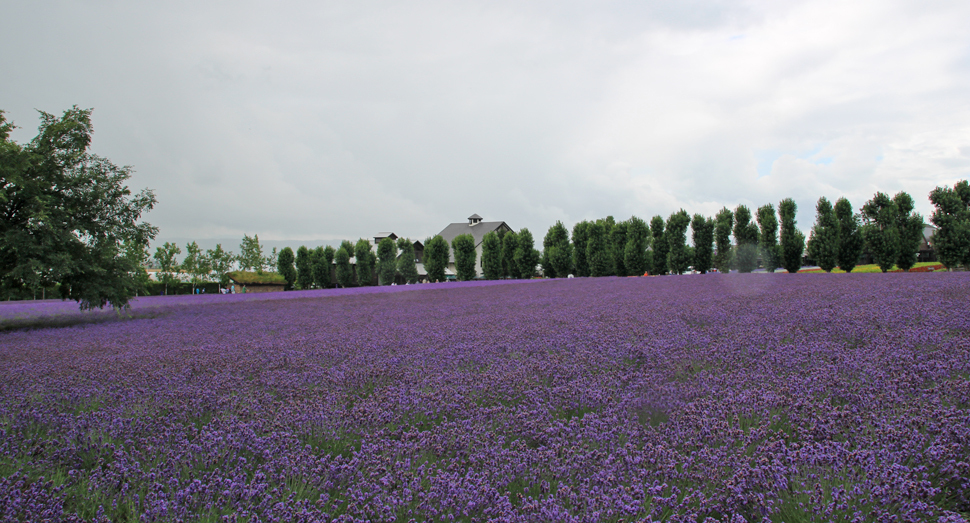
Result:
<point x="695" y="398"/>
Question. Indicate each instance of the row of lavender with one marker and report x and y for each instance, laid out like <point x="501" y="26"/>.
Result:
<point x="732" y="397"/>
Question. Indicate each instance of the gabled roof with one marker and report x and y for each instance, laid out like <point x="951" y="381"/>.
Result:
<point x="475" y="217"/>
<point x="477" y="230"/>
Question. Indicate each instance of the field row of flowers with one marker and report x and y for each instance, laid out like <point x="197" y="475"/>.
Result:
<point x="753" y="397"/>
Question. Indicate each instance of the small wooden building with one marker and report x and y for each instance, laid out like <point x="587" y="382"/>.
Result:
<point x="246" y="282"/>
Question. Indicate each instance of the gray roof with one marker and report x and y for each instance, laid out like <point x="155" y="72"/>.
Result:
<point x="478" y="232"/>
<point x="474" y="217"/>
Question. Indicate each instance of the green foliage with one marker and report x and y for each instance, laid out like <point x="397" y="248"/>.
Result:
<point x="492" y="256"/>
<point x="250" y="254"/>
<point x="580" y="237"/>
<point x="557" y="252"/>
<point x="768" y="239"/>
<point x="879" y="230"/>
<point x="365" y="262"/>
<point x="792" y="240"/>
<point x="635" y="251"/>
<point x="597" y="252"/>
<point x="220" y="262"/>
<point x="850" y="235"/>
<point x="406" y="260"/>
<point x="196" y="264"/>
<point x="824" y="243"/>
<point x="166" y="259"/>
<point x="617" y="238"/>
<point x="304" y="267"/>
<point x="952" y="219"/>
<point x="284" y="265"/>
<point x="463" y="246"/>
<point x="659" y="246"/>
<point x="386" y="261"/>
<point x="436" y="258"/>
<point x="66" y="215"/>
<point x="678" y="256"/>
<point x="248" y="277"/>
<point x="510" y="243"/>
<point x="344" y="273"/>
<point x="526" y="255"/>
<point x="723" y="223"/>
<point x="909" y="225"/>
<point x="323" y="267"/>
<point x="746" y="240"/>
<point x="702" y="236"/>
<point x="269" y="262"/>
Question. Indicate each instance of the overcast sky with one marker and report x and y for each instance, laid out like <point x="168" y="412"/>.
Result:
<point x="318" y="120"/>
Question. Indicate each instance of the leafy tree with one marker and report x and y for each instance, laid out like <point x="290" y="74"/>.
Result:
<point x="580" y="237"/>
<point x="792" y="240"/>
<point x="196" y="264"/>
<point x="557" y="252"/>
<point x="137" y="255"/>
<point x="166" y="259"/>
<point x="386" y="261"/>
<point x="304" y="267"/>
<point x="406" y="260"/>
<point x="365" y="262"/>
<point x="770" y="251"/>
<point x="635" y="251"/>
<point x="284" y="265"/>
<point x="879" y="230"/>
<point x="270" y="261"/>
<point x="436" y="258"/>
<point x="67" y="217"/>
<point x="659" y="246"/>
<point x="910" y="227"/>
<point x="746" y="238"/>
<point x="321" y="267"/>
<point x="702" y="236"/>
<point x="510" y="243"/>
<point x="526" y="255"/>
<point x="492" y="256"/>
<point x="723" y="223"/>
<point x="463" y="246"/>
<point x="850" y="235"/>
<point x="250" y="254"/>
<point x="617" y="247"/>
<point x="678" y="257"/>
<point x="344" y="273"/>
<point x="823" y="244"/>
<point x="951" y="241"/>
<point x="597" y="250"/>
<point x="221" y="262"/>
<point x="349" y="246"/>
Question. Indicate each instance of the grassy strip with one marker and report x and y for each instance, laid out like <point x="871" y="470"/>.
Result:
<point x="919" y="267"/>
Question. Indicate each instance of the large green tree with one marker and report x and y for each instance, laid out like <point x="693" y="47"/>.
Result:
<point x="791" y="239"/>
<point x="909" y="225"/>
<point x="491" y="256"/>
<point x="597" y="250"/>
<point x="746" y="240"/>
<point x="617" y="247"/>
<point x="250" y="254"/>
<point x="366" y="260"/>
<point x="304" y="267"/>
<point x="723" y="224"/>
<point x="850" y="235"/>
<point x="526" y="255"/>
<point x="66" y="215"/>
<point x="321" y="266"/>
<point x="284" y="266"/>
<point x="678" y="256"/>
<point x="436" y="258"/>
<point x="580" y="237"/>
<point x="635" y="252"/>
<point x="510" y="243"/>
<point x="387" y="261"/>
<point x="343" y="271"/>
<point x="951" y="241"/>
<point x="879" y="230"/>
<point x="702" y="236"/>
<point x="406" y="263"/>
<point x="659" y="246"/>
<point x="166" y="258"/>
<point x="557" y="252"/>
<point x="196" y="264"/>
<point x="463" y="246"/>
<point x="823" y="243"/>
<point x="768" y="238"/>
<point x="221" y="262"/>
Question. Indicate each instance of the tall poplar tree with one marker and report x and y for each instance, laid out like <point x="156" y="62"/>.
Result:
<point x="304" y="267"/>
<point x="463" y="246"/>
<point x="365" y="262"/>
<point x="879" y="230"/>
<point x="617" y="246"/>
<point x="951" y="241"/>
<point x="678" y="256"/>
<point x="823" y="244"/>
<point x="850" y="235"/>
<point x="635" y="251"/>
<point x="580" y="237"/>
<point x="746" y="240"/>
<point x="597" y="250"/>
<point x="344" y="273"/>
<point x="406" y="264"/>
<point x="526" y="255"/>
<point x="321" y="266"/>
<point x="436" y="258"/>
<point x="510" y="243"/>
<point x="386" y="261"/>
<point x="659" y="246"/>
<point x="491" y="256"/>
<point x="910" y="227"/>
<point x="284" y="265"/>
<point x="792" y="240"/>
<point x="557" y="252"/>
<point x="702" y="236"/>
<point x="723" y="224"/>
<point x="768" y="239"/>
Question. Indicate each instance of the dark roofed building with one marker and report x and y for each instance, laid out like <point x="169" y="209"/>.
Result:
<point x="478" y="229"/>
